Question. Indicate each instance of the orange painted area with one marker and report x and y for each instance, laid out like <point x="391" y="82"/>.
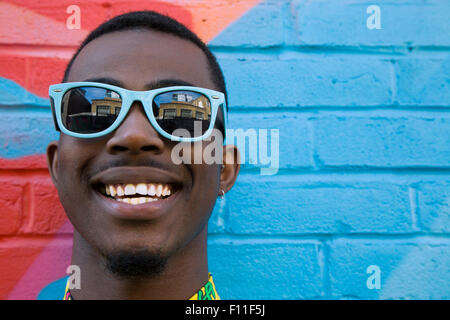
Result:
<point x="20" y="25"/>
<point x="26" y="25"/>
<point x="210" y="20"/>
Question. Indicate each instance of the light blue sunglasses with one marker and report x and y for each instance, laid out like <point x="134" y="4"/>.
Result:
<point x="93" y="109"/>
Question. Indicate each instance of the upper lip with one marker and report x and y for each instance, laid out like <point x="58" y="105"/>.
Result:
<point x="135" y="175"/>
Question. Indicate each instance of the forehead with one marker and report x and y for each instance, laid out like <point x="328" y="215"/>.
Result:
<point x="137" y="57"/>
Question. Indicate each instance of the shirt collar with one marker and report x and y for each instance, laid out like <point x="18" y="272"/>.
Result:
<point x="207" y="292"/>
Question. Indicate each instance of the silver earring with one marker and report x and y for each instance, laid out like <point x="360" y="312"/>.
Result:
<point x="222" y="194"/>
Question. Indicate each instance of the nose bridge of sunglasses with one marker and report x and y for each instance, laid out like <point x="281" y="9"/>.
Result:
<point x="137" y="109"/>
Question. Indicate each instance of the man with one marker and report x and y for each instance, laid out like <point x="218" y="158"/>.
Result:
<point x="140" y="216"/>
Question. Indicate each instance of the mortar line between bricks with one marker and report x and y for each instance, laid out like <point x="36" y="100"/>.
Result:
<point x="412" y="192"/>
<point x="425" y="238"/>
<point x="6" y="241"/>
<point x="240" y="109"/>
<point x="28" y="209"/>
<point x="38" y="50"/>
<point x="279" y="50"/>
<point x="324" y="260"/>
<point x="352" y="170"/>
<point x="24" y="173"/>
<point x="368" y="111"/>
<point x="401" y="50"/>
<point x="27" y="74"/>
<point x="315" y="159"/>
<point x="393" y="76"/>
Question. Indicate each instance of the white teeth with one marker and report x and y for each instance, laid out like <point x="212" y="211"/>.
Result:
<point x="155" y="190"/>
<point x="141" y="188"/>
<point x="127" y="200"/>
<point x="151" y="190"/>
<point x="159" y="190"/>
<point x="130" y="189"/>
<point x="112" y="191"/>
<point x="135" y="201"/>
<point x="141" y="200"/>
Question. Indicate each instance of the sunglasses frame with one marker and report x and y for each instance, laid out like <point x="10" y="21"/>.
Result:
<point x="57" y="91"/>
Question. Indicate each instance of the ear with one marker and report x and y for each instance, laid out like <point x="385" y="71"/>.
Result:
<point x="230" y="169"/>
<point x="52" y="160"/>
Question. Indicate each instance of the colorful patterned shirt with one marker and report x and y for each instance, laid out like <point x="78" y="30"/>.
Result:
<point x="207" y="292"/>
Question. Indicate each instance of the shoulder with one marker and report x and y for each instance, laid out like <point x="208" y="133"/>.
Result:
<point x="54" y="290"/>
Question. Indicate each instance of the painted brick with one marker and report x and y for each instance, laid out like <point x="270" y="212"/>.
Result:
<point x="410" y="269"/>
<point x="38" y="27"/>
<point x="290" y="127"/>
<point x="344" y="23"/>
<point x="383" y="141"/>
<point x="291" y="205"/>
<point x="44" y="72"/>
<point x="28" y="162"/>
<point x="434" y="206"/>
<point x="356" y="81"/>
<point x="12" y="93"/>
<point x="255" y="270"/>
<point x="25" y="275"/>
<point x="216" y="224"/>
<point x="48" y="214"/>
<point x="423" y="82"/>
<point x="263" y="26"/>
<point x="10" y="206"/>
<point x="263" y="68"/>
<point x="14" y="68"/>
<point x="49" y="13"/>
<point x="24" y="133"/>
<point x="32" y="72"/>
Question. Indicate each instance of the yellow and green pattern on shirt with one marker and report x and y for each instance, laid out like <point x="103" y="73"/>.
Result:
<point x="207" y="292"/>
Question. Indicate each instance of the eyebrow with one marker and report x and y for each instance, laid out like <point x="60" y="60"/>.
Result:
<point x="149" y="86"/>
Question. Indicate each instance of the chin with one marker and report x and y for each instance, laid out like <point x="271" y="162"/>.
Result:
<point x="135" y="263"/>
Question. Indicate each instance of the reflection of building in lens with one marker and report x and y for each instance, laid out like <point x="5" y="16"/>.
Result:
<point x="184" y="105"/>
<point x="76" y="103"/>
<point x="82" y="112"/>
<point x="109" y="105"/>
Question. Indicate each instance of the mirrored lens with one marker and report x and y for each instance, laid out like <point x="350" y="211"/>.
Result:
<point x="90" y="109"/>
<point x="186" y="110"/>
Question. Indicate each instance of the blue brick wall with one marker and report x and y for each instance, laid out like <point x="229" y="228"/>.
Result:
<point x="364" y="178"/>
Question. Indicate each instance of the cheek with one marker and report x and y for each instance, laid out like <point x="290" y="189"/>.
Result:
<point x="72" y="184"/>
<point x="206" y="185"/>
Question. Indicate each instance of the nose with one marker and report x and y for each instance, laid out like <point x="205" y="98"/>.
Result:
<point x="135" y="134"/>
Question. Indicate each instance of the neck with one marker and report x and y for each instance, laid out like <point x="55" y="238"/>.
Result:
<point x="185" y="273"/>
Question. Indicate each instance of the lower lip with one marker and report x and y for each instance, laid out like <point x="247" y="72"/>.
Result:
<point x="144" y="211"/>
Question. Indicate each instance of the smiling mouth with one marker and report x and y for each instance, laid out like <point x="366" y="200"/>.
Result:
<point x="136" y="194"/>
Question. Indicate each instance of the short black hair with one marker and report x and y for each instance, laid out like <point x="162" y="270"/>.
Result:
<point x="153" y="21"/>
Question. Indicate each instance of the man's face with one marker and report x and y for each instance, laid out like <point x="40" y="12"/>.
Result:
<point x="135" y="153"/>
